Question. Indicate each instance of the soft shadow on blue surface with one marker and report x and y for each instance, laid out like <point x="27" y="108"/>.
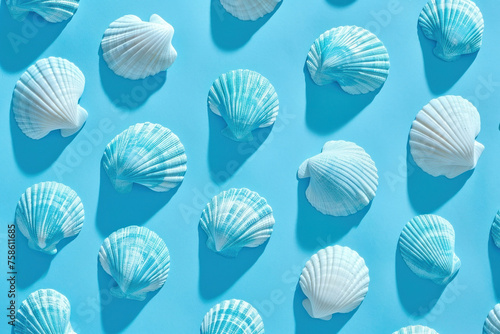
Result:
<point x="115" y="210"/>
<point x="229" y="32"/>
<point x="494" y="257"/>
<point x="340" y="3"/>
<point x="219" y="273"/>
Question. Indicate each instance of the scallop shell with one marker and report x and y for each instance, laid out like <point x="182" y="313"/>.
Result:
<point x="51" y="10"/>
<point x="343" y="179"/>
<point x="135" y="49"/>
<point x="352" y="56"/>
<point x="334" y="280"/>
<point x="416" y="330"/>
<point x="46" y="98"/>
<point x="48" y="212"/>
<point x="137" y="259"/>
<point x="495" y="230"/>
<point x="45" y="311"/>
<point x="442" y="137"/>
<point x="236" y="218"/>
<point x="246" y="100"/>
<point x="492" y="323"/>
<point x="427" y="245"/>
<point x="249" y="9"/>
<point x="456" y="26"/>
<point x="232" y="316"/>
<point x="147" y="154"/>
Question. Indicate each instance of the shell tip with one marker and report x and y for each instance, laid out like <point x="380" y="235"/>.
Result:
<point x="246" y="137"/>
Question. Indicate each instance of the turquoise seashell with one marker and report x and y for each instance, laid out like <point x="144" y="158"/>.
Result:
<point x="249" y="9"/>
<point x="236" y="218"/>
<point x="232" y="316"/>
<point x="246" y="100"/>
<point x="48" y="212"/>
<point x="456" y="26"/>
<point x="492" y="323"/>
<point x="51" y="10"/>
<point x="352" y="56"/>
<point x="147" y="154"/>
<point x="343" y="179"/>
<point x="427" y="245"/>
<point x="495" y="230"/>
<point x="416" y="330"/>
<point x="45" y="311"/>
<point x="137" y="259"/>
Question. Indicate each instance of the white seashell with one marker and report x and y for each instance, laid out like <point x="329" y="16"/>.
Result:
<point x="137" y="259"/>
<point x="246" y="100"/>
<point x="495" y="230"/>
<point x="442" y="137"/>
<point x="232" y="317"/>
<point x="334" y="280"/>
<point x="343" y="179"/>
<point x="46" y="98"/>
<point x="352" y="56"/>
<point x="135" y="49"/>
<point x="235" y="219"/>
<point x="45" y="311"/>
<point x="492" y="323"/>
<point x="419" y="329"/>
<point x="249" y="9"/>
<point x="48" y="212"/>
<point x="51" y="10"/>
<point x="147" y="154"/>
<point x="456" y="26"/>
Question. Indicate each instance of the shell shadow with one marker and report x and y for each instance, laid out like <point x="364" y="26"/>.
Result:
<point x="328" y="107"/>
<point x="442" y="75"/>
<point x="229" y="32"/>
<point x="494" y="258"/>
<point x="340" y="3"/>
<point x="115" y="210"/>
<point x="219" y="273"/>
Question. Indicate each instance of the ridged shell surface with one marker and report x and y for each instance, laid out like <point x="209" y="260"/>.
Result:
<point x="492" y="323"/>
<point x="419" y="329"/>
<point x="495" y="230"/>
<point x="232" y="317"/>
<point x="51" y="10"/>
<point x="249" y="9"/>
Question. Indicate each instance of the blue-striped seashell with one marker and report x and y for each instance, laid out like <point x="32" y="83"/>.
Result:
<point x="492" y="323"/>
<point x="232" y="316"/>
<point x="249" y="9"/>
<point x="137" y="259"/>
<point x="343" y="179"/>
<point x="246" y="100"/>
<point x="352" y="56"/>
<point x="456" y="26"/>
<point x="236" y="218"/>
<point x="427" y="245"/>
<point x="51" y="10"/>
<point x="46" y="98"/>
<point x="45" y="311"/>
<point x="419" y="329"/>
<point x="48" y="212"/>
<point x="147" y="154"/>
<point x="495" y="230"/>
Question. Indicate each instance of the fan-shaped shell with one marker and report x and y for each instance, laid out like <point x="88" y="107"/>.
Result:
<point x="147" y="154"/>
<point x="135" y="49"/>
<point x="246" y="100"/>
<point x="137" y="259"/>
<point x="495" y="230"/>
<point x="442" y="137"/>
<point x="427" y="245"/>
<point x="232" y="316"/>
<point x="334" y="280"/>
<point x="456" y="26"/>
<point x="343" y="178"/>
<point x="45" y="311"/>
<point x="416" y="330"/>
<point x="51" y="10"/>
<point x="352" y="56"/>
<point x="46" y="98"/>
<point x="236" y="218"/>
<point x="48" y="212"/>
<point x="492" y="323"/>
<point x="249" y="9"/>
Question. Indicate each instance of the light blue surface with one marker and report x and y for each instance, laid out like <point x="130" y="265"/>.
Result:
<point x="210" y="42"/>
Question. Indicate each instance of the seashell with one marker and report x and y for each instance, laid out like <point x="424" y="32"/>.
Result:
<point x="246" y="100"/>
<point x="236" y="218"/>
<point x="419" y="329"/>
<point x="427" y="245"/>
<point x="456" y="26"/>
<point x="137" y="259"/>
<point x="249" y="9"/>
<point x="495" y="230"/>
<point x="51" y="10"/>
<point x="147" y="154"/>
<point x="45" y="311"/>
<point x="352" y="56"/>
<point x="334" y="280"/>
<point x="442" y="137"/>
<point x="232" y="316"/>
<point x="343" y="178"/>
<point x="492" y="323"/>
<point x="135" y="49"/>
<point x="48" y="212"/>
<point x="46" y="98"/>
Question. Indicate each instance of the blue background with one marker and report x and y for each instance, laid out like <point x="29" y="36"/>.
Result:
<point x="209" y="42"/>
